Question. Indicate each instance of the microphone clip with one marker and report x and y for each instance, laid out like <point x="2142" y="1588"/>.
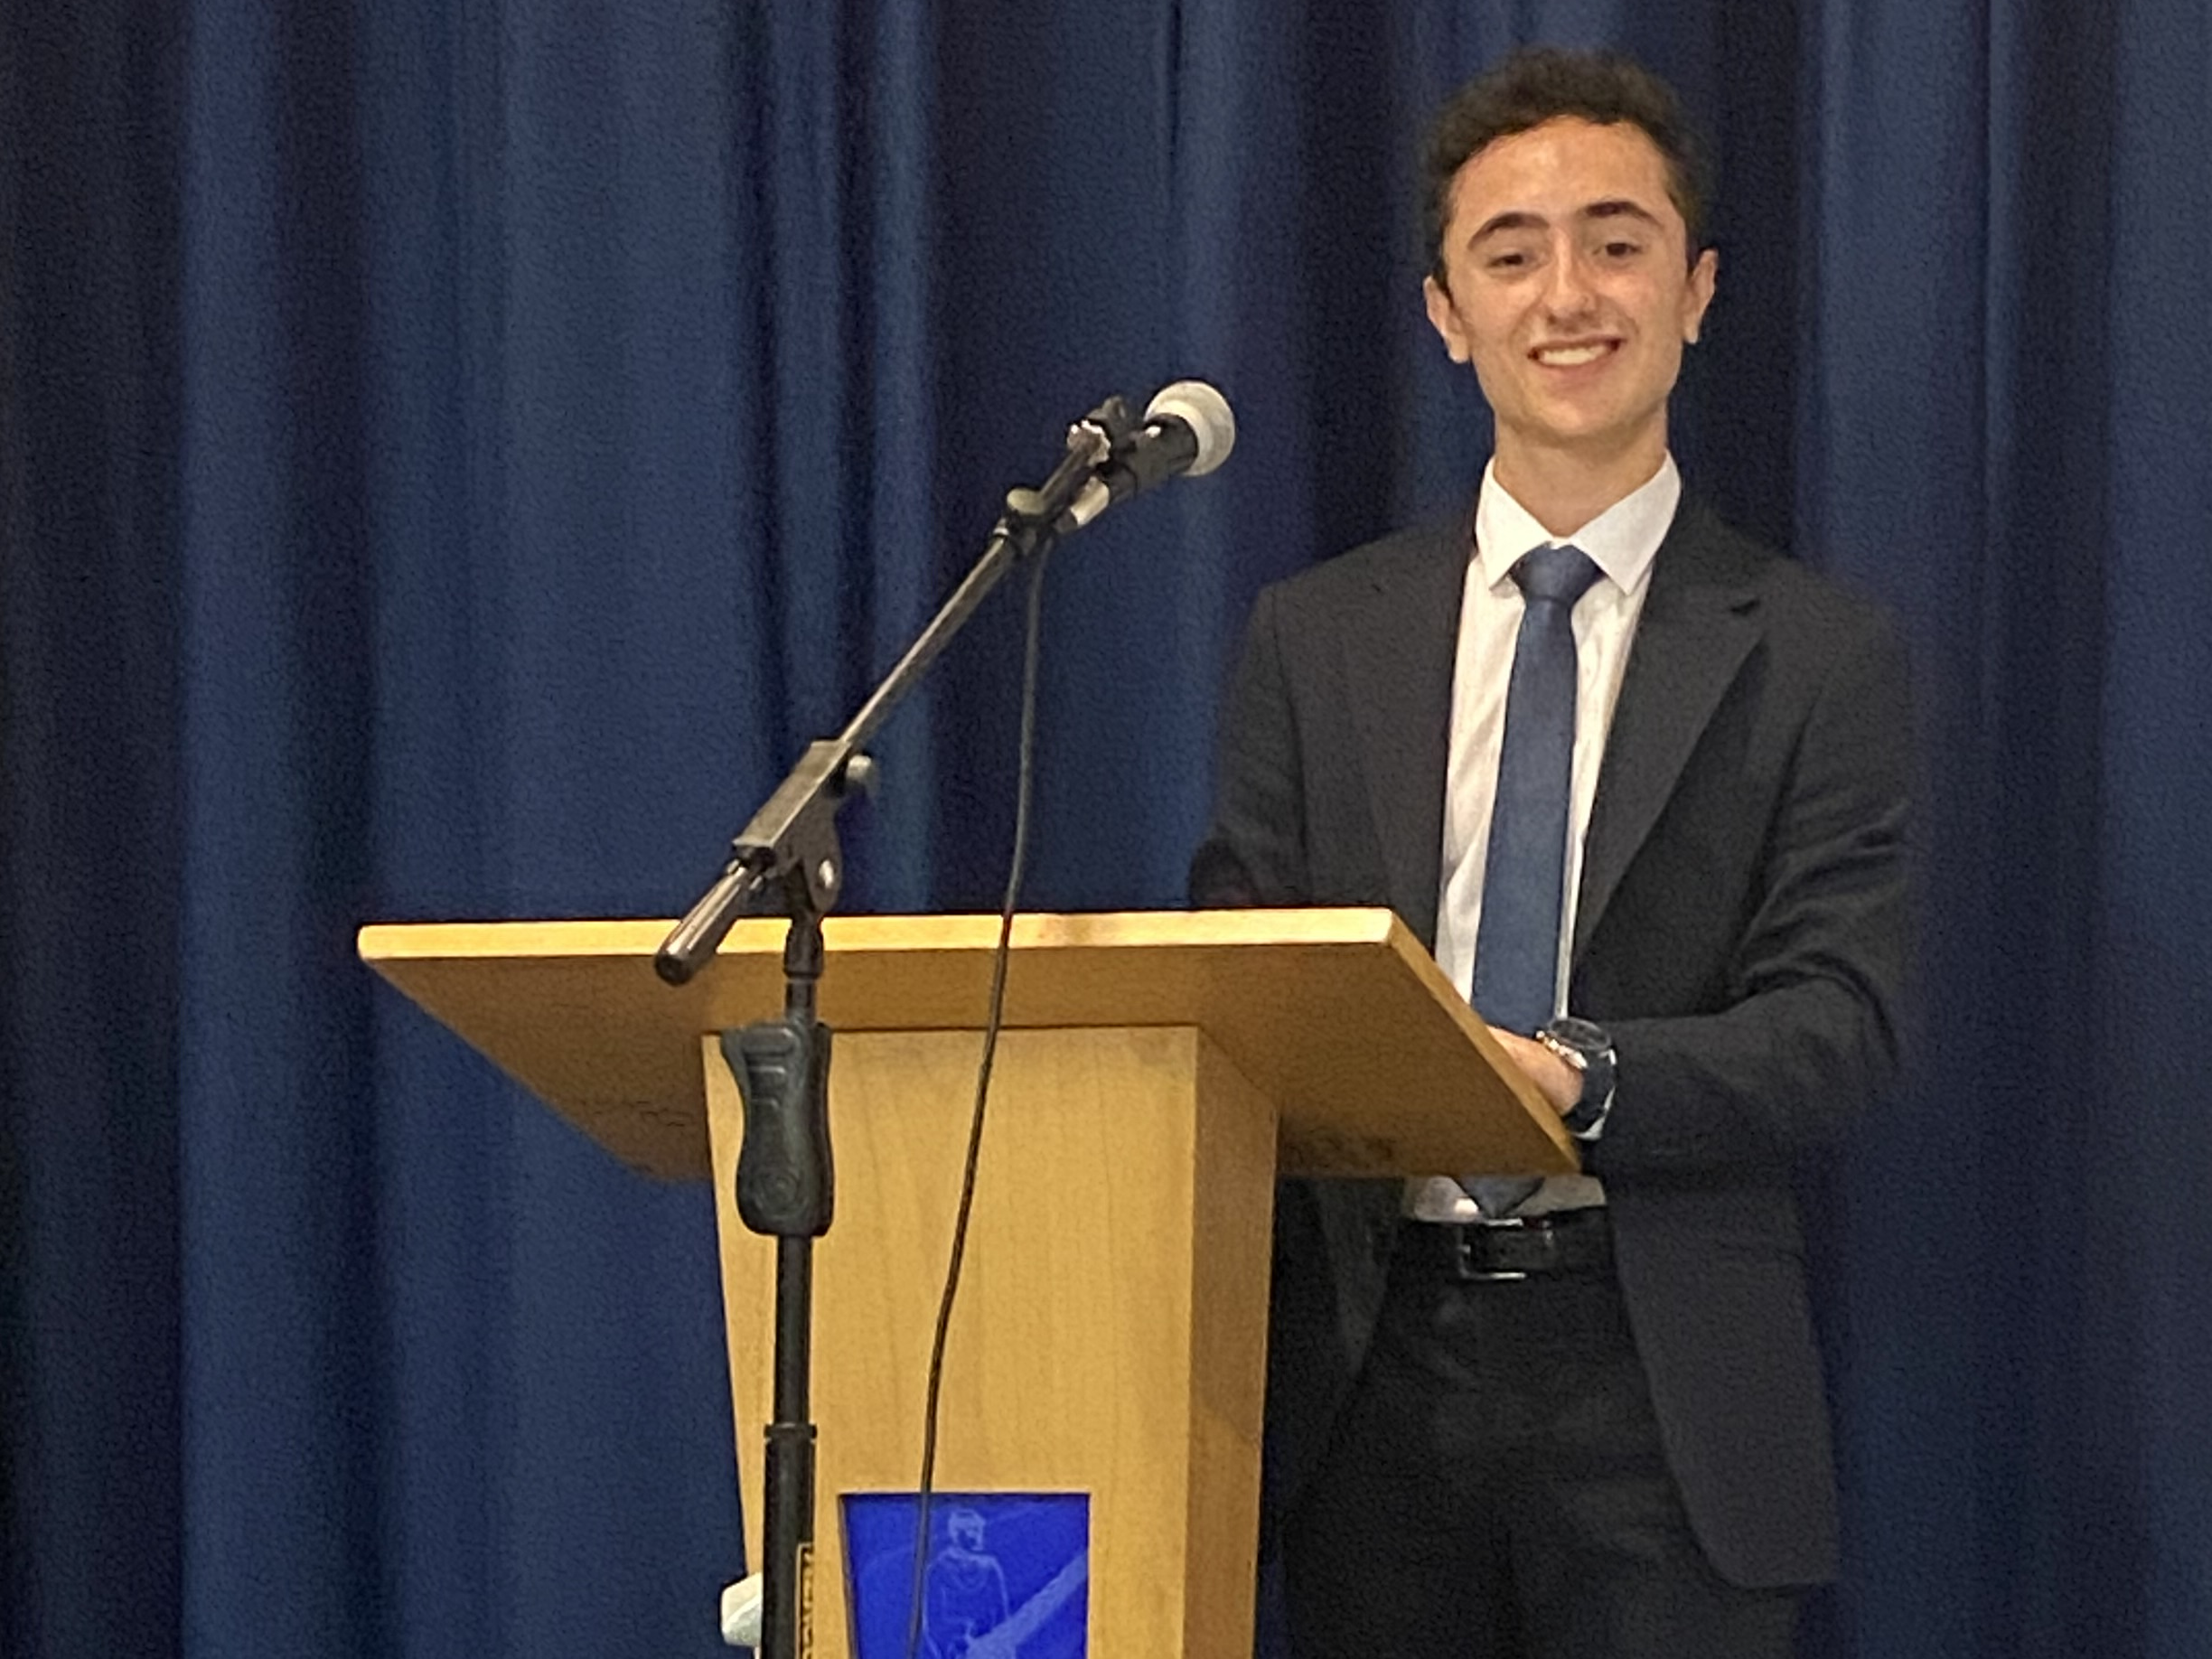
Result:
<point x="1058" y="504"/>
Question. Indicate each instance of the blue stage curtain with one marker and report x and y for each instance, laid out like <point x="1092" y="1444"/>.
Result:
<point x="454" y="453"/>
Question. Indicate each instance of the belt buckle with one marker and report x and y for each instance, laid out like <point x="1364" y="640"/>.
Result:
<point x="1463" y="1251"/>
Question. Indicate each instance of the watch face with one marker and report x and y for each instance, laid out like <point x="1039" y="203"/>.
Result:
<point x="1581" y="1034"/>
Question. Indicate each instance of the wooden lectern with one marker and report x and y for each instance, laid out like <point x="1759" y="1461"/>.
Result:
<point x="1156" y="1070"/>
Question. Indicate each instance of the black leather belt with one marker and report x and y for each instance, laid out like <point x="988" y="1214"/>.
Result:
<point x="1560" y="1242"/>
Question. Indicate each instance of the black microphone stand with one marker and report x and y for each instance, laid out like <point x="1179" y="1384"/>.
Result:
<point x="787" y="861"/>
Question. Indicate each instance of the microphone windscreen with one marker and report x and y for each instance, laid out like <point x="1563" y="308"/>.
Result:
<point x="1206" y="412"/>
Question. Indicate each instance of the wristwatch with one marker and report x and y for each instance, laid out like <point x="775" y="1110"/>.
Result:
<point x="1586" y="1047"/>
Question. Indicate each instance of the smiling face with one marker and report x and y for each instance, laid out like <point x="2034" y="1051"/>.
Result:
<point x="1571" y="290"/>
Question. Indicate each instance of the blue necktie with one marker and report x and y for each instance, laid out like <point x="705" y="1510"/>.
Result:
<point x="1524" y="880"/>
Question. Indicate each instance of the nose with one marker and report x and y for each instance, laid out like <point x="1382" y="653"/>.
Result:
<point x="1571" y="289"/>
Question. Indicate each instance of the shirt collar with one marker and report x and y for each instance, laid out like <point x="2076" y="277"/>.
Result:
<point x="1621" y="541"/>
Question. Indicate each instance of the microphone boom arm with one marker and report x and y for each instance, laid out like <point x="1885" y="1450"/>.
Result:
<point x="789" y="851"/>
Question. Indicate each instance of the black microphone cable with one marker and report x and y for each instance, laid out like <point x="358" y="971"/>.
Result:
<point x="1000" y="959"/>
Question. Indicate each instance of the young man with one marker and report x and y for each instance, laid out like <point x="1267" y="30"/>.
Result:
<point x="1644" y="786"/>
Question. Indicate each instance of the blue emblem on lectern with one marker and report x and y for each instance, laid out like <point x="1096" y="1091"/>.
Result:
<point x="1007" y="1577"/>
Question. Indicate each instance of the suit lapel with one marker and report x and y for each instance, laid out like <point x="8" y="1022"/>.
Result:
<point x="1400" y="643"/>
<point x="1700" y="622"/>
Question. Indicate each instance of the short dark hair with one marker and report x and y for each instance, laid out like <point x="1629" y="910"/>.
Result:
<point x="1542" y="83"/>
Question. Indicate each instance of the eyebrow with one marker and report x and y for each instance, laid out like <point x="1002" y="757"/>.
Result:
<point x="1611" y="207"/>
<point x="1621" y="207"/>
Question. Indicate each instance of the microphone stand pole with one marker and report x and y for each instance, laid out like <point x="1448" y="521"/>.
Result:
<point x="787" y="861"/>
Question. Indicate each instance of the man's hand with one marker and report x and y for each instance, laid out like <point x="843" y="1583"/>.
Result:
<point x="1561" y="1084"/>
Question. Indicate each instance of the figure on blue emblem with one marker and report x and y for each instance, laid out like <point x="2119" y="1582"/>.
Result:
<point x="964" y="1595"/>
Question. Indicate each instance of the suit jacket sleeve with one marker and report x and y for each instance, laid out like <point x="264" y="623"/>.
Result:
<point x="1255" y="851"/>
<point x="1805" y="1025"/>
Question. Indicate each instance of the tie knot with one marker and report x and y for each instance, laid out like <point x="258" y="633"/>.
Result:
<point x="1562" y="574"/>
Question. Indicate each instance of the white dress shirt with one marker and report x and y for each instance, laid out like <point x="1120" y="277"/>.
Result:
<point x="1622" y="542"/>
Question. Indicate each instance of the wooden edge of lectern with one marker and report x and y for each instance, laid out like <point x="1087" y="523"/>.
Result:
<point x="1341" y="1017"/>
<point x="1156" y="1070"/>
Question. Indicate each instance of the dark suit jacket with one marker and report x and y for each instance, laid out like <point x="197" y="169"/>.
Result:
<point x="1741" y="931"/>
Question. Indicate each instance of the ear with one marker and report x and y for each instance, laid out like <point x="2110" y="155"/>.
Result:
<point x="1698" y="293"/>
<point x="1444" y="319"/>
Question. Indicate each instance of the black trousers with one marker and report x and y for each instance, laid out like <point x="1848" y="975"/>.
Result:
<point x="1497" y="1490"/>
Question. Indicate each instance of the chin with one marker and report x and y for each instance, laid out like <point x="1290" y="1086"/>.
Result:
<point x="1596" y="435"/>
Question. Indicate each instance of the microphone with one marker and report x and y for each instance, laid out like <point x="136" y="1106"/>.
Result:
<point x="1188" y="428"/>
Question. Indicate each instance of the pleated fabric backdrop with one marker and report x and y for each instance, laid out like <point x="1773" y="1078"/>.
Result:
<point x="453" y="455"/>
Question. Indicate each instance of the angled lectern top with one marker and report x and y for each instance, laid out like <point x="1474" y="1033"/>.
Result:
<point x="1375" y="1064"/>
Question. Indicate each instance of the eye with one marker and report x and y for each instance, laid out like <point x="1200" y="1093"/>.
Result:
<point x="1621" y="248"/>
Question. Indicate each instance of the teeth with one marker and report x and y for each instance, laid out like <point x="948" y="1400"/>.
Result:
<point x="1566" y="357"/>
